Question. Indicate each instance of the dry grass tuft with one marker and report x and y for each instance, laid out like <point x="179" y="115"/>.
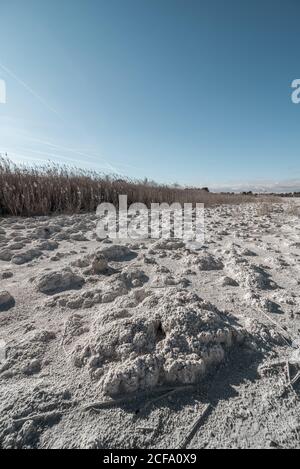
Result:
<point x="31" y="191"/>
<point x="293" y="209"/>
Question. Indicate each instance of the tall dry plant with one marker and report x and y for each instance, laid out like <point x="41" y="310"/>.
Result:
<point x="43" y="190"/>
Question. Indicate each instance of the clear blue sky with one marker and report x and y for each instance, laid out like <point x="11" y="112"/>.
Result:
<point x="189" y="91"/>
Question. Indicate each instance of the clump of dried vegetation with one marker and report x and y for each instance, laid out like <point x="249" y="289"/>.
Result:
<point x="293" y="209"/>
<point x="43" y="190"/>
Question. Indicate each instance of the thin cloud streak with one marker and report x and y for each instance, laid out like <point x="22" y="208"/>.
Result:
<point x="72" y="150"/>
<point x="30" y="90"/>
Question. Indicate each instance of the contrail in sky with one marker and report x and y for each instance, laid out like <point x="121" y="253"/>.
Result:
<point x="72" y="150"/>
<point x="54" y="111"/>
<point x="29" y="89"/>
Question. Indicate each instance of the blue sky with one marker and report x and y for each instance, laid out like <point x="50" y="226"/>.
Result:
<point x="188" y="91"/>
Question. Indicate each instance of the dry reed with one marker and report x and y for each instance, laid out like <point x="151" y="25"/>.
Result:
<point x="43" y="190"/>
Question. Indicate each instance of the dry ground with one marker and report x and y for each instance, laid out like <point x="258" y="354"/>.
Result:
<point x="124" y="348"/>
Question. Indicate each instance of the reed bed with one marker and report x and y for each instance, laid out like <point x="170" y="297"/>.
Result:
<point x="43" y="190"/>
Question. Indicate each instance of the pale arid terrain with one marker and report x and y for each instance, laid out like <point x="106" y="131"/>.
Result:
<point x="151" y="344"/>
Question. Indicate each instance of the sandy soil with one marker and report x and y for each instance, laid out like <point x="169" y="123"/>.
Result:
<point x="151" y="344"/>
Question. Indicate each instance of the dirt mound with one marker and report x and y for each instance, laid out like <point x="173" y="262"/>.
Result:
<point x="176" y="341"/>
<point x="59" y="281"/>
<point x="116" y="253"/>
<point x="261" y="332"/>
<point x="111" y="288"/>
<point x="26" y="256"/>
<point x="207" y="262"/>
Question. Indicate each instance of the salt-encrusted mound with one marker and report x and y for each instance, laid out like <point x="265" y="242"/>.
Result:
<point x="207" y="262"/>
<point x="167" y="244"/>
<point x="111" y="288"/>
<point x="96" y="263"/>
<point x="170" y="338"/>
<point x="54" y="282"/>
<point x="256" y="277"/>
<point x="116" y="253"/>
<point x="260" y="331"/>
<point x="250" y="276"/>
<point x="26" y="256"/>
